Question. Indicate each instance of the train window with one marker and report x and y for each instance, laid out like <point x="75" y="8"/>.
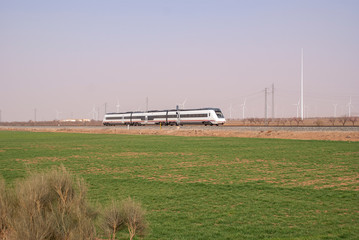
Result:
<point x="193" y="115"/>
<point x="113" y="118"/>
<point x="219" y="114"/>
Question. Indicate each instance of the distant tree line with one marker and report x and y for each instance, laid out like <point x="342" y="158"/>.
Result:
<point x="338" y="121"/>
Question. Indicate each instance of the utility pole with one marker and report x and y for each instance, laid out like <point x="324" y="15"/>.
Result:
<point x="35" y="115"/>
<point x="265" y="105"/>
<point x="273" y="101"/>
<point x="302" y="88"/>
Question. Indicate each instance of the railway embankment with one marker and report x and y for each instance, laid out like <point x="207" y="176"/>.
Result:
<point x="304" y="133"/>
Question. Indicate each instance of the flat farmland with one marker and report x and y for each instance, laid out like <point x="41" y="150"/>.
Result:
<point x="206" y="187"/>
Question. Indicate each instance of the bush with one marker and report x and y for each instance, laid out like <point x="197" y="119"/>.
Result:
<point x="112" y="220"/>
<point x="134" y="218"/>
<point x="49" y="206"/>
<point x="4" y="210"/>
<point x="318" y="122"/>
<point x="53" y="206"/>
<point x="126" y="214"/>
<point x="8" y="209"/>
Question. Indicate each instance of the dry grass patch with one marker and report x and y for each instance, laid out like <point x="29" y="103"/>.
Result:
<point x="37" y="160"/>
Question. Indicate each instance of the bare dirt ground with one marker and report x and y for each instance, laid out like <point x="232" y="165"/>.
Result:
<point x="175" y="131"/>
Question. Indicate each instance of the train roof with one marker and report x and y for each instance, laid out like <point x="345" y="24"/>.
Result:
<point x="170" y="110"/>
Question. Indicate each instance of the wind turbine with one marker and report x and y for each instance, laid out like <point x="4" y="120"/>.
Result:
<point x="94" y="113"/>
<point x="298" y="104"/>
<point x="118" y="105"/>
<point x="57" y="115"/>
<point x="243" y="107"/>
<point x="182" y="105"/>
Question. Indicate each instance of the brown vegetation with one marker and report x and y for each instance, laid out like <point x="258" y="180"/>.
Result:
<point x="217" y="132"/>
<point x="134" y="218"/>
<point x="53" y="123"/>
<point x="49" y="206"/>
<point x="112" y="220"/>
<point x="128" y="214"/>
<point x="331" y="121"/>
<point x="53" y="205"/>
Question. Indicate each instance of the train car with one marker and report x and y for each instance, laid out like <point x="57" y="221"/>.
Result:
<point x="204" y="116"/>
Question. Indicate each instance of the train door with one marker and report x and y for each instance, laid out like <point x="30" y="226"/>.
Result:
<point x="167" y="117"/>
<point x="178" y="116"/>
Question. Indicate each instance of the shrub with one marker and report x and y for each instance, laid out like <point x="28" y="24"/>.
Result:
<point x="298" y="120"/>
<point x="112" y="220"/>
<point x="318" y="122"/>
<point x="4" y="218"/>
<point x="51" y="205"/>
<point x="284" y="121"/>
<point x="134" y="218"/>
<point x="8" y="207"/>
<point x="126" y="214"/>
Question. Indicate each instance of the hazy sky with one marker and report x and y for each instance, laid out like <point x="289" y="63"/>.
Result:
<point x="66" y="58"/>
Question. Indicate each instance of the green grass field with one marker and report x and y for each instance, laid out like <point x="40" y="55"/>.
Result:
<point x="207" y="187"/>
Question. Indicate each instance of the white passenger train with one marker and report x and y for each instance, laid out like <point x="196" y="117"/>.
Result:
<point x="205" y="116"/>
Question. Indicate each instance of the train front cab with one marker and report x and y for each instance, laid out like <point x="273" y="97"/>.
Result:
<point x="217" y="117"/>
